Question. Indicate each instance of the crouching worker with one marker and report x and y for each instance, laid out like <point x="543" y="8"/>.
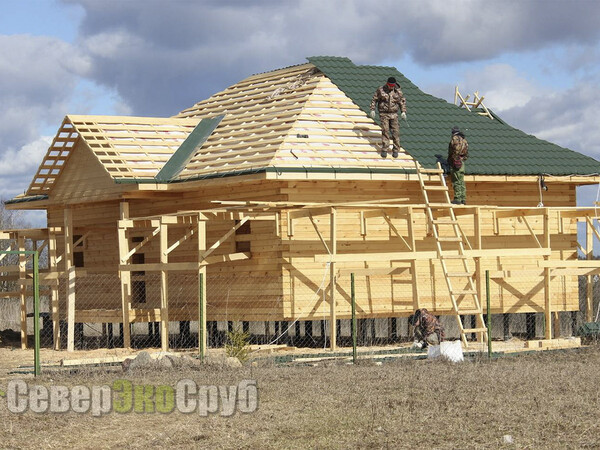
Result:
<point x="427" y="329"/>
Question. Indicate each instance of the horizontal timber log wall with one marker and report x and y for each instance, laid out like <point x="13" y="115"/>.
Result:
<point x="301" y="291"/>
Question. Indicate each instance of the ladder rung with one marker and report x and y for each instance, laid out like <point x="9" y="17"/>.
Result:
<point x="461" y="312"/>
<point x="464" y="292"/>
<point x="450" y="239"/>
<point x="474" y="330"/>
<point x="459" y="274"/>
<point x="436" y="188"/>
<point x="431" y="171"/>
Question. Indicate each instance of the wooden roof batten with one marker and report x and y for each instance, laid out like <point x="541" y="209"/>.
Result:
<point x="299" y="122"/>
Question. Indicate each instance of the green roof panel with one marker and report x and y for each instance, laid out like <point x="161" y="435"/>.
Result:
<point x="188" y="149"/>
<point x="495" y="148"/>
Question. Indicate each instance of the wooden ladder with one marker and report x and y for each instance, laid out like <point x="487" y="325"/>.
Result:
<point x="451" y="236"/>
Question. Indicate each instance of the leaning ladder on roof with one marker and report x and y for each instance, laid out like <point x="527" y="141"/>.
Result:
<point x="447" y="232"/>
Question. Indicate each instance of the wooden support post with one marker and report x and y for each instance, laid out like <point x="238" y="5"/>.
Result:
<point x="70" y="269"/>
<point x="556" y="325"/>
<point x="22" y="291"/>
<point x="589" y="249"/>
<point x="413" y="263"/>
<point x="164" y="287"/>
<point x="547" y="293"/>
<point x="124" y="275"/>
<point x="52" y="267"/>
<point x="479" y="273"/>
<point x="332" y="280"/>
<point x="202" y="320"/>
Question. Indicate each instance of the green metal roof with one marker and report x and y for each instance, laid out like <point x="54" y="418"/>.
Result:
<point x="188" y="149"/>
<point x="495" y="148"/>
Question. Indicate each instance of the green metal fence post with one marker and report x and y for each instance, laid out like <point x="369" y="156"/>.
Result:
<point x="489" y="315"/>
<point x="353" y="318"/>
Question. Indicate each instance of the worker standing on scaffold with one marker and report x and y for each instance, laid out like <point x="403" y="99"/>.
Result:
<point x="458" y="152"/>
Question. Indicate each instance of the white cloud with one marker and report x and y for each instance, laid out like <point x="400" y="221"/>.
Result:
<point x="502" y="86"/>
<point x="38" y="76"/>
<point x="18" y="166"/>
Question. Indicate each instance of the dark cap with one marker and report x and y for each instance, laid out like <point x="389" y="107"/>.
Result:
<point x="455" y="130"/>
<point x="391" y="80"/>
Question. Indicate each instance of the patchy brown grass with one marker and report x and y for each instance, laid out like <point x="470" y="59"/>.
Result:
<point x="544" y="400"/>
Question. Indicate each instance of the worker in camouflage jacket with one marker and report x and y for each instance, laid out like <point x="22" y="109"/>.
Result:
<point x="458" y="152"/>
<point x="389" y="100"/>
<point x="427" y="329"/>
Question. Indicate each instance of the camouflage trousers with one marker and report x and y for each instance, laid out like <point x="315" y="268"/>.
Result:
<point x="458" y="183"/>
<point x="390" y="129"/>
<point x="430" y="339"/>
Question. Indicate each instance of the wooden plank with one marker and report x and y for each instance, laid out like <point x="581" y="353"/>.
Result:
<point x="202" y="300"/>
<point x="164" y="288"/>
<point x="424" y="255"/>
<point x="124" y="276"/>
<point x="332" y="282"/>
<point x="589" y="254"/>
<point x="70" y="269"/>
<point x="22" y="292"/>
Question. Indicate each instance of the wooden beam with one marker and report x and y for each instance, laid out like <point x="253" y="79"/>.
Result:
<point x="124" y="276"/>
<point x="23" y="293"/>
<point x="413" y="263"/>
<point x="332" y="280"/>
<point x="314" y="224"/>
<point x="202" y="300"/>
<point x="520" y="212"/>
<point x="140" y="245"/>
<point x="579" y="263"/>
<point x="547" y="285"/>
<point x="382" y="271"/>
<point x="407" y="256"/>
<point x="164" y="288"/>
<point x="70" y="269"/>
<point x="184" y="266"/>
<point x="224" y="238"/>
<point x="589" y="252"/>
<point x="54" y="301"/>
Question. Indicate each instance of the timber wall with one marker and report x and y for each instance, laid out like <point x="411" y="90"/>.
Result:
<point x="301" y="290"/>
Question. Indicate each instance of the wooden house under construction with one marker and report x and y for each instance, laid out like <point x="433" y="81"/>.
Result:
<point x="279" y="176"/>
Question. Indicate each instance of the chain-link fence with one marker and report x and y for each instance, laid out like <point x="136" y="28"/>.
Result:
<point x="288" y="312"/>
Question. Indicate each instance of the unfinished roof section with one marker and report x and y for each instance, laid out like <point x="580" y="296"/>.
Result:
<point x="308" y="118"/>
<point x="127" y="147"/>
<point x="287" y="119"/>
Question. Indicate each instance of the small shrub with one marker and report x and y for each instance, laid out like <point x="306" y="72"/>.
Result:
<point x="237" y="345"/>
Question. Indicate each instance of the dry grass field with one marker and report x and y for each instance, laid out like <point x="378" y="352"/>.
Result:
<point x="542" y="400"/>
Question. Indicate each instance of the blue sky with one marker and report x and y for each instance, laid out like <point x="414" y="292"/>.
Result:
<point x="537" y="62"/>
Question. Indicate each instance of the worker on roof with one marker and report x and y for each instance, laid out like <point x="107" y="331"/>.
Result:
<point x="389" y="99"/>
<point x="458" y="152"/>
<point x="427" y="329"/>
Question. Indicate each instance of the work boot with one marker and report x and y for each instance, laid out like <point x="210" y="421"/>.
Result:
<point x="394" y="153"/>
<point x="464" y="202"/>
<point x="456" y="202"/>
<point x="383" y="154"/>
